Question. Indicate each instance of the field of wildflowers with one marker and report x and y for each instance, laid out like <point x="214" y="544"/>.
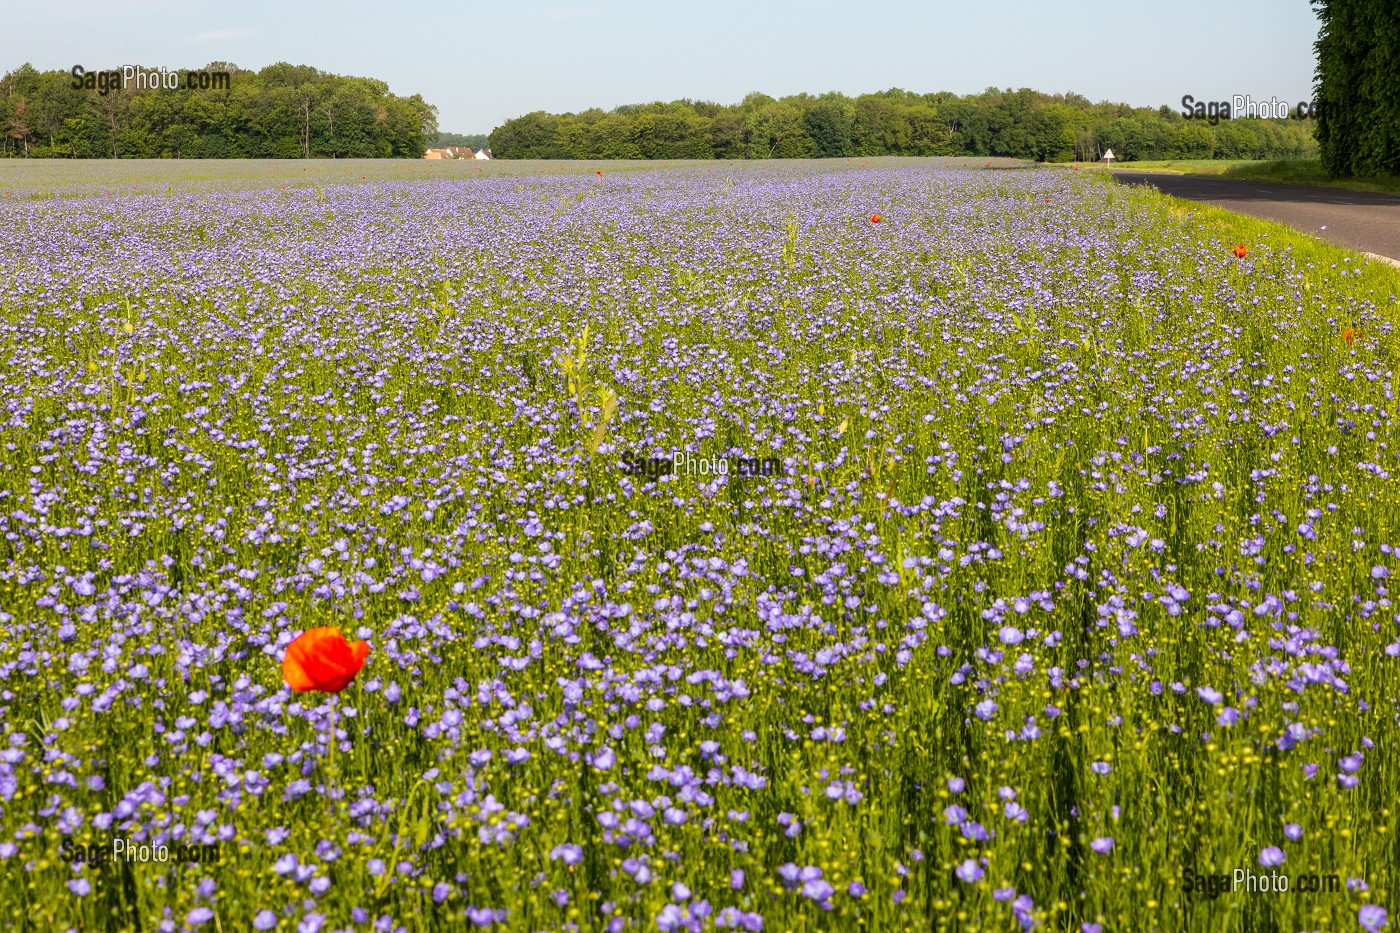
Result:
<point x="1069" y="596"/>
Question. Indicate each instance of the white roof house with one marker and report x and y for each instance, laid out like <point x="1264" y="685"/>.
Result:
<point x="452" y="152"/>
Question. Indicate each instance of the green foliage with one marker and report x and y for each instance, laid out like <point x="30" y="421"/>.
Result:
<point x="1358" y="87"/>
<point x="1022" y="124"/>
<point x="581" y="389"/>
<point x="474" y="140"/>
<point x="282" y="112"/>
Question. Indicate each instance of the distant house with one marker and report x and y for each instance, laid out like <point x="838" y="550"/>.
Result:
<point x="450" y="152"/>
<point x="483" y="155"/>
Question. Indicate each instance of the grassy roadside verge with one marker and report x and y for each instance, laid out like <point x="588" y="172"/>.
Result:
<point x="1382" y="278"/>
<point x="1283" y="171"/>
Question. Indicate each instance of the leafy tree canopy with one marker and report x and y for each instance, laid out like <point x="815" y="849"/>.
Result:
<point x="1020" y="123"/>
<point x="219" y="111"/>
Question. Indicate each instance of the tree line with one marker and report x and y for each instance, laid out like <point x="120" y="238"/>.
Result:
<point x="1023" y="124"/>
<point x="473" y="140"/>
<point x="1358" y="87"/>
<point x="281" y="112"/>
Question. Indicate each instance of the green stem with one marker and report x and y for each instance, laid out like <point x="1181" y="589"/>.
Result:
<point x="332" y="774"/>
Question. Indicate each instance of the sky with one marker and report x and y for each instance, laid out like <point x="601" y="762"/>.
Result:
<point x="482" y="63"/>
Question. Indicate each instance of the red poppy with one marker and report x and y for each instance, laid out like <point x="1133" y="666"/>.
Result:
<point x="874" y="218"/>
<point x="321" y="659"/>
<point x="1350" y="334"/>
<point x="1240" y="251"/>
<point x="600" y="173"/>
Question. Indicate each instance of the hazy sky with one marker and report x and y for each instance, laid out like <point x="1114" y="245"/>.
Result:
<point x="482" y="62"/>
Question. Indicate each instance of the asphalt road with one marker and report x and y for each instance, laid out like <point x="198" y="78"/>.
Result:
<point x="1356" y="219"/>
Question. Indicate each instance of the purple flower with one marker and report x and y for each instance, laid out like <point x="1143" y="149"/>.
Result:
<point x="1272" y="857"/>
<point x="567" y="852"/>
<point x="481" y="916"/>
<point x="672" y="917"/>
<point x="970" y="872"/>
<point x="1372" y="918"/>
<point x="1102" y="845"/>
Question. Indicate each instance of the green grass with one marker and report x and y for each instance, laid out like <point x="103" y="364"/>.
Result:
<point x="1283" y="171"/>
<point x="1310" y="173"/>
<point x="1178" y="166"/>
